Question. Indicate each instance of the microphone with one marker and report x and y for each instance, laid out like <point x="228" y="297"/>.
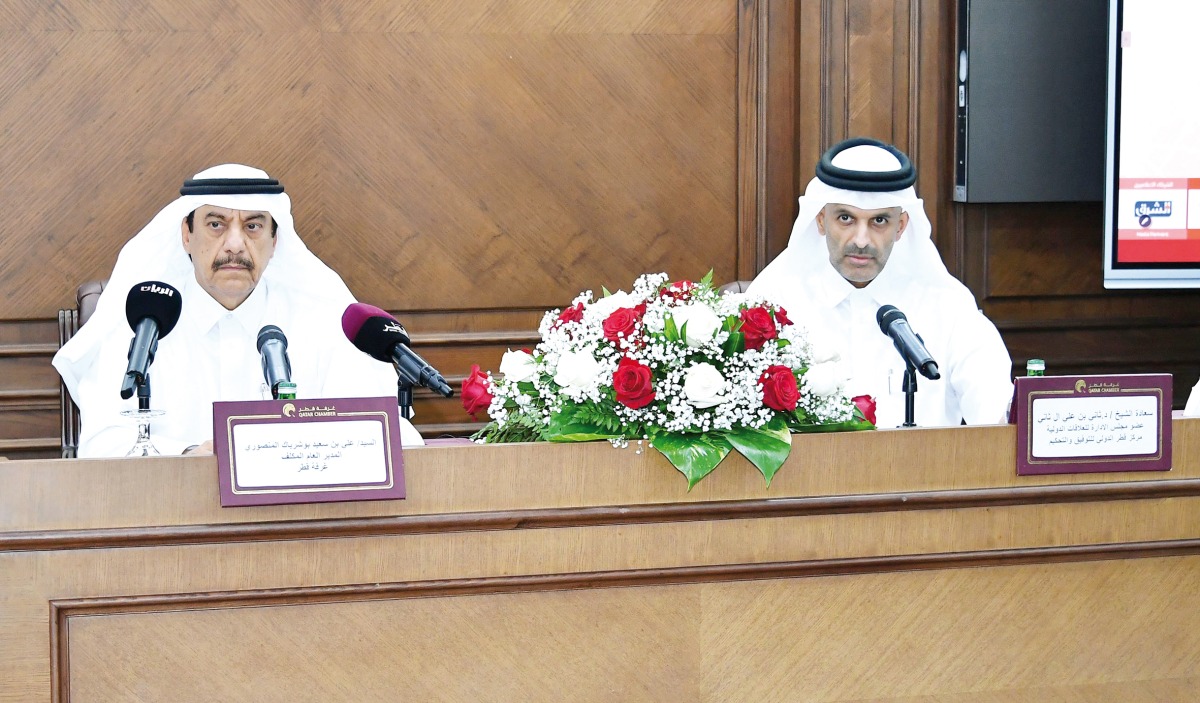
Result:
<point x="380" y="335"/>
<point x="152" y="309"/>
<point x="895" y="325"/>
<point x="276" y="366"/>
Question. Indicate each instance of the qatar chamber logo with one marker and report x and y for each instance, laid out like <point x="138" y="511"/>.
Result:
<point x="1146" y="210"/>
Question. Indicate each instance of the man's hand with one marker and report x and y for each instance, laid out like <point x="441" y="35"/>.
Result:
<point x="199" y="449"/>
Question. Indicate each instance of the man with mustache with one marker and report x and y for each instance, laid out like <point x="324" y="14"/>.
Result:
<point x="228" y="244"/>
<point x="861" y="241"/>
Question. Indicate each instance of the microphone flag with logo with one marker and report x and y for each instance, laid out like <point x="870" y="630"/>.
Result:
<point x="152" y="309"/>
<point x="377" y="333"/>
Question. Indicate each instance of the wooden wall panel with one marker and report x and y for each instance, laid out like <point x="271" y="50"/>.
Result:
<point x="885" y="69"/>
<point x="467" y="165"/>
<point x="416" y="159"/>
<point x="510" y="166"/>
<point x="781" y="115"/>
<point x="1038" y="273"/>
<point x="874" y="69"/>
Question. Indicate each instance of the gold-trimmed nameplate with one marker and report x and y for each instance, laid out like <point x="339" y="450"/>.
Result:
<point x="1081" y="424"/>
<point x="271" y="452"/>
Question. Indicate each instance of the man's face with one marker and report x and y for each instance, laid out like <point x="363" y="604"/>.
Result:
<point x="229" y="250"/>
<point x="860" y="241"/>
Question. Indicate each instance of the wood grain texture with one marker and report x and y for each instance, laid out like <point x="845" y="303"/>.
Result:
<point x="451" y="479"/>
<point x="542" y="518"/>
<point x="416" y="161"/>
<point x="619" y="126"/>
<point x="1077" y="586"/>
<point x="878" y="70"/>
<point x="1037" y="270"/>
<point x="885" y="69"/>
<point x="448" y="159"/>
<point x="706" y="642"/>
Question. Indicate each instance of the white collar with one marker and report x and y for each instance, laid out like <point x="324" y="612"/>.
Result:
<point x="203" y="312"/>
<point x="832" y="289"/>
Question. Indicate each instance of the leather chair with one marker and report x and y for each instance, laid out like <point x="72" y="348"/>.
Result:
<point x="69" y="322"/>
<point x="734" y="287"/>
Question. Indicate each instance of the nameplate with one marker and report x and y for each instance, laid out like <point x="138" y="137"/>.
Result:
<point x="271" y="452"/>
<point x="1080" y="424"/>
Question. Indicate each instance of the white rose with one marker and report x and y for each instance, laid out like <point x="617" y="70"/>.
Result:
<point x="577" y="369"/>
<point x="702" y="323"/>
<point x="604" y="307"/>
<point x="827" y="378"/>
<point x="518" y="366"/>
<point x="704" y="386"/>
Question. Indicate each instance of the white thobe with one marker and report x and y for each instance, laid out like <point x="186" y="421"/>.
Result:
<point x="975" y="367"/>
<point x="211" y="355"/>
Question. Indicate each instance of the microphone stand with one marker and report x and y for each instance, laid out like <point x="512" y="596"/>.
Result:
<point x="404" y="397"/>
<point x="143" y="415"/>
<point x="910" y="390"/>
<point x="143" y="392"/>
<point x="404" y="390"/>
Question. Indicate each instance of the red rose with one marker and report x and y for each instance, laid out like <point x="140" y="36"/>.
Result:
<point x="758" y="327"/>
<point x="571" y="314"/>
<point x="781" y="316"/>
<point x="865" y="405"/>
<point x="632" y="382"/>
<point x="475" y="393"/>
<point x="780" y="391"/>
<point x="623" y="322"/>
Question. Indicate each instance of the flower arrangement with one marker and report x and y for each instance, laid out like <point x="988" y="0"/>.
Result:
<point x="694" y="373"/>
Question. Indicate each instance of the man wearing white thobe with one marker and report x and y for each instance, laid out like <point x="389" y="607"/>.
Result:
<point x="214" y="245"/>
<point x="861" y="241"/>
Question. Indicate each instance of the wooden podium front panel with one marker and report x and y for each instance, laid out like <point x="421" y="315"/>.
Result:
<point x="1112" y="630"/>
<point x="878" y="566"/>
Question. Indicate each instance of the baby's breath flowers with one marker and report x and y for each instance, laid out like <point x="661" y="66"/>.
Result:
<point x="676" y="365"/>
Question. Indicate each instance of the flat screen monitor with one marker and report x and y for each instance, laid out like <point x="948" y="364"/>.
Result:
<point x="1152" y="198"/>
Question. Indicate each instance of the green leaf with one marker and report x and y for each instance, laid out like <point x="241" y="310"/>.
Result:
<point x="576" y="433"/>
<point x="565" y="427"/>
<point x="736" y="343"/>
<point x="605" y="291"/>
<point x="670" y="330"/>
<point x="597" y="415"/>
<point x="518" y="428"/>
<point x="767" y="447"/>
<point x="854" y="425"/>
<point x="707" y="280"/>
<point x="694" y="455"/>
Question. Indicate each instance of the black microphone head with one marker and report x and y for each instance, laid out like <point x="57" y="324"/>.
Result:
<point x="156" y="300"/>
<point x="373" y="330"/>
<point x="268" y="333"/>
<point x="886" y="315"/>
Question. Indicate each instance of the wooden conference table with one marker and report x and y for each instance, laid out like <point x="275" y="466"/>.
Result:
<point x="905" y="565"/>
